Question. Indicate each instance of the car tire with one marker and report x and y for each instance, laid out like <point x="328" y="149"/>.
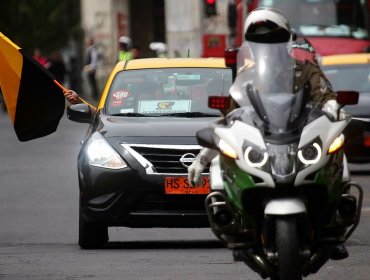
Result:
<point x="91" y="235"/>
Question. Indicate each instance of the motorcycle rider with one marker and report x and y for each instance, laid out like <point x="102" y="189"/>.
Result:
<point x="269" y="25"/>
<point x="124" y="52"/>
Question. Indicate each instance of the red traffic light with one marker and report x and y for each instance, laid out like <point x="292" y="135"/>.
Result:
<point x="210" y="8"/>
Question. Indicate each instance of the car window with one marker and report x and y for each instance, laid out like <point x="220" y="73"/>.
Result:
<point x="361" y="109"/>
<point x="156" y="92"/>
<point x="349" y="77"/>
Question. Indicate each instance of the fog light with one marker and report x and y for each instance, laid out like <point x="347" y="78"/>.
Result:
<point x="347" y="207"/>
<point x="366" y="139"/>
<point x="223" y="217"/>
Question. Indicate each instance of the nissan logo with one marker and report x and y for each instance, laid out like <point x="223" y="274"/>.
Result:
<point x="187" y="159"/>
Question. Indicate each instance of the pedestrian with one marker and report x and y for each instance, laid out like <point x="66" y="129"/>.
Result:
<point x="124" y="52"/>
<point x="91" y="65"/>
<point x="39" y="57"/>
<point x="136" y="52"/>
<point x="57" y="66"/>
<point x="74" y="74"/>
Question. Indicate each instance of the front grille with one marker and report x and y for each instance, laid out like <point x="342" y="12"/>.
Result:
<point x="166" y="159"/>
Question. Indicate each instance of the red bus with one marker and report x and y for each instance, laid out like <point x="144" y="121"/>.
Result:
<point x="332" y="26"/>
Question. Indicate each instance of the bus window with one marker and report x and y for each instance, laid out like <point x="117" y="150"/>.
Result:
<point x="332" y="26"/>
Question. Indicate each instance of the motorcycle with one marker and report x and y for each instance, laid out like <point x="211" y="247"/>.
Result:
<point x="281" y="195"/>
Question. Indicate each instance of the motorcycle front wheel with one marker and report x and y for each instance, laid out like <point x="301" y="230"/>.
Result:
<point x="288" y="249"/>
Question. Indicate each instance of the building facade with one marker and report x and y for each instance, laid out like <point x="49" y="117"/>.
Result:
<point x="184" y="26"/>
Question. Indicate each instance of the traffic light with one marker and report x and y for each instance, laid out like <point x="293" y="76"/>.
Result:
<point x="210" y="8"/>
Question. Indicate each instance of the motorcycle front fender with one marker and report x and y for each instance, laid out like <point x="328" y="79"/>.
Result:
<point x="285" y="206"/>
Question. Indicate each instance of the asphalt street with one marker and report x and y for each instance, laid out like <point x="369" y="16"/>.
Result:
<point x="39" y="225"/>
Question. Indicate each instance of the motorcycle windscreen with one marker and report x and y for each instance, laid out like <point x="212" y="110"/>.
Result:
<point x="265" y="81"/>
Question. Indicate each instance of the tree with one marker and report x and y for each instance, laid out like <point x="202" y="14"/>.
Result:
<point x="44" y="24"/>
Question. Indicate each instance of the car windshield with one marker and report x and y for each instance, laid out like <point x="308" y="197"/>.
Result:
<point x="343" y="18"/>
<point x="167" y="91"/>
<point x="349" y="77"/>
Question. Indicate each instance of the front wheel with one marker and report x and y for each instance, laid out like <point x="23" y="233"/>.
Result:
<point x="288" y="249"/>
<point x="91" y="235"/>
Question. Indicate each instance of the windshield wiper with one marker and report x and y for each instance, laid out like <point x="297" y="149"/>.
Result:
<point x="129" y="115"/>
<point x="190" y="115"/>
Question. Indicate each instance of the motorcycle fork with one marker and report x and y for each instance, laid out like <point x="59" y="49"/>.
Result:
<point x="305" y="235"/>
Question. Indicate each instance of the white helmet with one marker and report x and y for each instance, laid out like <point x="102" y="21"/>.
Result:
<point x="267" y="25"/>
<point x="158" y="46"/>
<point x="125" y="40"/>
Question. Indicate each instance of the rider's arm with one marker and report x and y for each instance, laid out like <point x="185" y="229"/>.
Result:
<point x="204" y="157"/>
<point x="321" y="89"/>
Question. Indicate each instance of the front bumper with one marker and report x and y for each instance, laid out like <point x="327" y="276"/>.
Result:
<point x="357" y="145"/>
<point x="131" y="197"/>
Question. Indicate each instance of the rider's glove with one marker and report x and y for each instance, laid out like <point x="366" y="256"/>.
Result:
<point x="204" y="157"/>
<point x="331" y="107"/>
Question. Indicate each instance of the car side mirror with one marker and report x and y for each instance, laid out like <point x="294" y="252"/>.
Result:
<point x="81" y="113"/>
<point x="230" y="56"/>
<point x="347" y="97"/>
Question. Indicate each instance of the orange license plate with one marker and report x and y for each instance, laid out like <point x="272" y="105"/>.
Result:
<point x="181" y="185"/>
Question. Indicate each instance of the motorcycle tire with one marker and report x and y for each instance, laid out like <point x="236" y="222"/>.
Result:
<point x="288" y="249"/>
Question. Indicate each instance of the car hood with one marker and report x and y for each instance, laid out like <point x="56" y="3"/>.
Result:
<point x="151" y="126"/>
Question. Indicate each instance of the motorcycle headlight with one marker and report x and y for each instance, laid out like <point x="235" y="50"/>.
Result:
<point x="310" y="154"/>
<point x="227" y="150"/>
<point x="101" y="154"/>
<point x="337" y="144"/>
<point x="255" y="158"/>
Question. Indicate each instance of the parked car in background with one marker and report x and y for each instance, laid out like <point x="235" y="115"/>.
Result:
<point x="132" y="166"/>
<point x="352" y="72"/>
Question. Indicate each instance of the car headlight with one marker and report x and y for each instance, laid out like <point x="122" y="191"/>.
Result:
<point x="337" y="144"/>
<point x="227" y="150"/>
<point x="101" y="154"/>
<point x="310" y="154"/>
<point x="255" y="158"/>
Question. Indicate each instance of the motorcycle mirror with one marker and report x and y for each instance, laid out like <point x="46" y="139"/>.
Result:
<point x="347" y="97"/>
<point x="219" y="102"/>
<point x="81" y="113"/>
<point x="294" y="36"/>
<point x="205" y="138"/>
<point x="230" y="60"/>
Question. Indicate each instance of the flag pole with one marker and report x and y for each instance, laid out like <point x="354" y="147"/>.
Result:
<point x="64" y="90"/>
